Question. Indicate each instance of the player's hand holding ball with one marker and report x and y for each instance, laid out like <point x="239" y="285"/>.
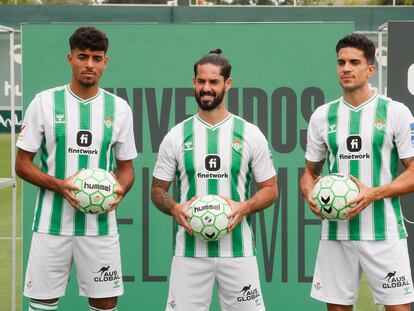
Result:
<point x="67" y="189"/>
<point x="332" y="194"/>
<point x="209" y="217"/>
<point x="365" y="197"/>
<point x="181" y="214"/>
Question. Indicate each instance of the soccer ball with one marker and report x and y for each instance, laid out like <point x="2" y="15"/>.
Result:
<point x="96" y="190"/>
<point x="209" y="217"/>
<point x="331" y="194"/>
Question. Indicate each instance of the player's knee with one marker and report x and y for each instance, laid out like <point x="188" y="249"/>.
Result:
<point x="99" y="309"/>
<point x="104" y="304"/>
<point x="335" y="307"/>
<point x="404" y="307"/>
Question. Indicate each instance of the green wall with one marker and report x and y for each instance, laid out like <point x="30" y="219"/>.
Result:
<point x="278" y="80"/>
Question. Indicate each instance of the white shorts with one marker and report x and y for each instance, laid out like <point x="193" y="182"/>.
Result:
<point x="192" y="281"/>
<point x="97" y="259"/>
<point x="385" y="263"/>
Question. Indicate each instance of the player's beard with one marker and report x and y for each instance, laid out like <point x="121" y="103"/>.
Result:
<point x="207" y="105"/>
<point x="87" y="83"/>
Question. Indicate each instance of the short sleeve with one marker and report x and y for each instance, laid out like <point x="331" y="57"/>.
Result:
<point x="166" y="164"/>
<point x="316" y="148"/>
<point x="32" y="131"/>
<point x="262" y="160"/>
<point x="403" y="128"/>
<point x="125" y="145"/>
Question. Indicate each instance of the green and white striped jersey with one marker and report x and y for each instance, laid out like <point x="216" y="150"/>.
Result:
<point x="215" y="159"/>
<point x="367" y="142"/>
<point x="73" y="134"/>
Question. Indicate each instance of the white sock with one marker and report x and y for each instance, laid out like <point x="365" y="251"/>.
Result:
<point x="42" y="306"/>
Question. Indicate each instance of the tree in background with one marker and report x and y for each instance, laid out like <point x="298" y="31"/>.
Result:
<point x="390" y="2"/>
<point x="68" y="2"/>
<point x="136" y="1"/>
<point x="18" y="2"/>
<point x="47" y="2"/>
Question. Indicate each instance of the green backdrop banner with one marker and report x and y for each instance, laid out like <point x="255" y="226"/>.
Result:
<point x="281" y="73"/>
<point x="5" y="120"/>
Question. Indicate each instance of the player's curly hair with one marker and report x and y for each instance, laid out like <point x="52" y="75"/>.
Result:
<point x="216" y="58"/>
<point x="359" y="42"/>
<point x="89" y="38"/>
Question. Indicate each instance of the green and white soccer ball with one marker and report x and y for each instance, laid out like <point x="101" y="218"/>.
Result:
<point x="96" y="192"/>
<point x="209" y="217"/>
<point x="331" y="193"/>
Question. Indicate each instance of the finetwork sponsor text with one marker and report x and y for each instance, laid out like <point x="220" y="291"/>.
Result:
<point x="212" y="175"/>
<point x="354" y="156"/>
<point x="82" y="151"/>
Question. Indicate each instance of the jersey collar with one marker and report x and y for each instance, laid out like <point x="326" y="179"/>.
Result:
<point x="83" y="101"/>
<point x="213" y="127"/>
<point x="367" y="102"/>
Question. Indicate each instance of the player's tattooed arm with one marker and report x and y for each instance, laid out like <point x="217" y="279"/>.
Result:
<point x="166" y="204"/>
<point x="310" y="176"/>
<point x="315" y="168"/>
<point x="403" y="184"/>
<point x="160" y="197"/>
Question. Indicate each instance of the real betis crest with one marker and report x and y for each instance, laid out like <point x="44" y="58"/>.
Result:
<point x="108" y="122"/>
<point x="380" y="125"/>
<point x="172" y="303"/>
<point x="237" y="146"/>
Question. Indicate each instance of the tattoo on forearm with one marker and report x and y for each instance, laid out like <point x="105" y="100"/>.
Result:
<point x="162" y="200"/>
<point x="315" y="167"/>
<point x="160" y="196"/>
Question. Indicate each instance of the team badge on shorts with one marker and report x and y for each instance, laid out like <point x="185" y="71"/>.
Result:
<point x="317" y="285"/>
<point x="29" y="284"/>
<point x="172" y="303"/>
